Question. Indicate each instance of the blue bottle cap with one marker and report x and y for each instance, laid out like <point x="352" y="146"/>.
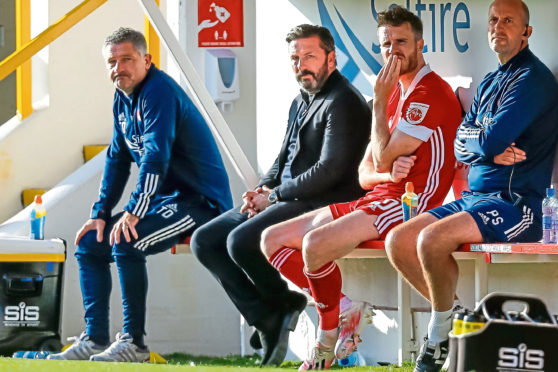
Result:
<point x="550" y="191"/>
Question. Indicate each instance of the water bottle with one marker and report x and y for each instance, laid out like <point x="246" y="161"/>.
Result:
<point x="409" y="201"/>
<point x="473" y="322"/>
<point x="353" y="360"/>
<point x="548" y="210"/>
<point x="457" y="324"/>
<point x="31" y="354"/>
<point x="555" y="218"/>
<point x="38" y="214"/>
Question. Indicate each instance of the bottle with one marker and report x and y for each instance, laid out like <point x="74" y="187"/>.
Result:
<point x="38" y="214"/>
<point x="457" y="324"/>
<point x="554" y="216"/>
<point x="31" y="354"/>
<point x="548" y="209"/>
<point x="473" y="322"/>
<point x="409" y="201"/>
<point x="353" y="360"/>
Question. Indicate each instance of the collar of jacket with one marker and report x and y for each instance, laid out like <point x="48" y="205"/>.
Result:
<point x="522" y="55"/>
<point x="332" y="79"/>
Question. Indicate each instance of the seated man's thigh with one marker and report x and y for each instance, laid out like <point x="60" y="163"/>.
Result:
<point x="165" y="224"/>
<point x="383" y="215"/>
<point x="500" y="221"/>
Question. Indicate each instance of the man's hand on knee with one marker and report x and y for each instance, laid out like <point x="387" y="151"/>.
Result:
<point x="91" y="224"/>
<point x="126" y="226"/>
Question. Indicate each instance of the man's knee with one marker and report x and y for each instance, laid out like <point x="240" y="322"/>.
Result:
<point x="398" y="244"/>
<point x="88" y="245"/>
<point x="203" y="243"/>
<point x="427" y="246"/>
<point x="311" y="243"/>
<point x="243" y="243"/>
<point x="269" y="241"/>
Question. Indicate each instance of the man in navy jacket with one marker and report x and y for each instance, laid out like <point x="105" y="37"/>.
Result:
<point x="182" y="184"/>
<point x="508" y="138"/>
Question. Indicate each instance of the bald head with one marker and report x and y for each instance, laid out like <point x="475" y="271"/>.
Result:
<point x="516" y="3"/>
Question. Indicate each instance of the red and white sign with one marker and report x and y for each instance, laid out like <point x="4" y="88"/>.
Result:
<point x="220" y="23"/>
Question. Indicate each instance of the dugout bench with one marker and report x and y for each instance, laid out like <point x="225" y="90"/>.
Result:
<point x="481" y="254"/>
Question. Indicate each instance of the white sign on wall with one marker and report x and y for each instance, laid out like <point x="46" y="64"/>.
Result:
<point x="454" y="33"/>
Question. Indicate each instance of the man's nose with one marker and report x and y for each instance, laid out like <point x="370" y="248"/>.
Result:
<point x="118" y="67"/>
<point x="498" y="25"/>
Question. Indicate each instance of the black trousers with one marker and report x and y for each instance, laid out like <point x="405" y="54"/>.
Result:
<point x="229" y="247"/>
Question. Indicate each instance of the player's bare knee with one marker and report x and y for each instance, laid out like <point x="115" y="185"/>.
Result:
<point x="393" y="244"/>
<point x="269" y="241"/>
<point x="427" y="247"/>
<point x="311" y="252"/>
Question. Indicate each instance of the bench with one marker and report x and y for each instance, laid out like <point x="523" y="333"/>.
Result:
<point x="481" y="254"/>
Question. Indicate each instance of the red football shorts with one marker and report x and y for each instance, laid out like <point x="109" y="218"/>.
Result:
<point x="389" y="211"/>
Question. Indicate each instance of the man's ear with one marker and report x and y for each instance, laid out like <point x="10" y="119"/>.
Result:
<point x="420" y="45"/>
<point x="331" y="59"/>
<point x="528" y="31"/>
<point x="147" y="59"/>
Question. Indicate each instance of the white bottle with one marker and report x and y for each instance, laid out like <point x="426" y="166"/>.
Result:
<point x="554" y="234"/>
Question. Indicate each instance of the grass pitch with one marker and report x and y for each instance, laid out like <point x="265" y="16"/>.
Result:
<point x="176" y="363"/>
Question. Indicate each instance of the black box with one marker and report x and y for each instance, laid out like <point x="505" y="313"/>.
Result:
<point x="31" y="297"/>
<point x="505" y="344"/>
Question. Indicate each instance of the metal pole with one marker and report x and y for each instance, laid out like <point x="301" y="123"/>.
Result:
<point x="201" y="97"/>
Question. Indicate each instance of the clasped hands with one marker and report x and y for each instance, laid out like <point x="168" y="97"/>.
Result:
<point x="255" y="201"/>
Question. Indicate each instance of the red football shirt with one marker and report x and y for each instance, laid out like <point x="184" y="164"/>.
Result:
<point x="429" y="111"/>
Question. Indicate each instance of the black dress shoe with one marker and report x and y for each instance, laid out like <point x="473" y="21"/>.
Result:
<point x="255" y="342"/>
<point x="275" y="340"/>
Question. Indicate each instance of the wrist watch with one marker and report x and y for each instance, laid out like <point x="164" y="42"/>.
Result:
<point x="272" y="197"/>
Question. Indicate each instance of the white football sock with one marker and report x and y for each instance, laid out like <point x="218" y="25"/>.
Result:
<point x="327" y="338"/>
<point x="439" y="325"/>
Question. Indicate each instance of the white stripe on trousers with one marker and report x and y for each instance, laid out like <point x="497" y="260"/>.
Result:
<point x="176" y="231"/>
<point x="154" y="235"/>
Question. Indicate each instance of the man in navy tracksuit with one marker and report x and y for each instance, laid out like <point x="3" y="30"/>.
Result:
<point x="508" y="138"/>
<point x="182" y="184"/>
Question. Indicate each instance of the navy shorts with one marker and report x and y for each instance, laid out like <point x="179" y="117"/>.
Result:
<point x="497" y="218"/>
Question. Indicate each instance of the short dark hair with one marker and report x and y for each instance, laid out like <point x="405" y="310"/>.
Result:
<point x="306" y="30"/>
<point x="398" y="15"/>
<point x="123" y="35"/>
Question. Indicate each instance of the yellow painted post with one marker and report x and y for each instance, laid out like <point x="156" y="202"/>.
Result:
<point x="23" y="74"/>
<point x="153" y="42"/>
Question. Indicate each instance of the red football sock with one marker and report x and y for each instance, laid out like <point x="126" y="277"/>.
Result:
<point x="326" y="287"/>
<point x="289" y="262"/>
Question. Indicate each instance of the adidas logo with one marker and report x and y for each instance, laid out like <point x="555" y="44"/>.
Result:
<point x="173" y="207"/>
<point x="485" y="218"/>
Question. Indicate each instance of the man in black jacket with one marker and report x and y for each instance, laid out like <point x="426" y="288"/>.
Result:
<point x="328" y="129"/>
